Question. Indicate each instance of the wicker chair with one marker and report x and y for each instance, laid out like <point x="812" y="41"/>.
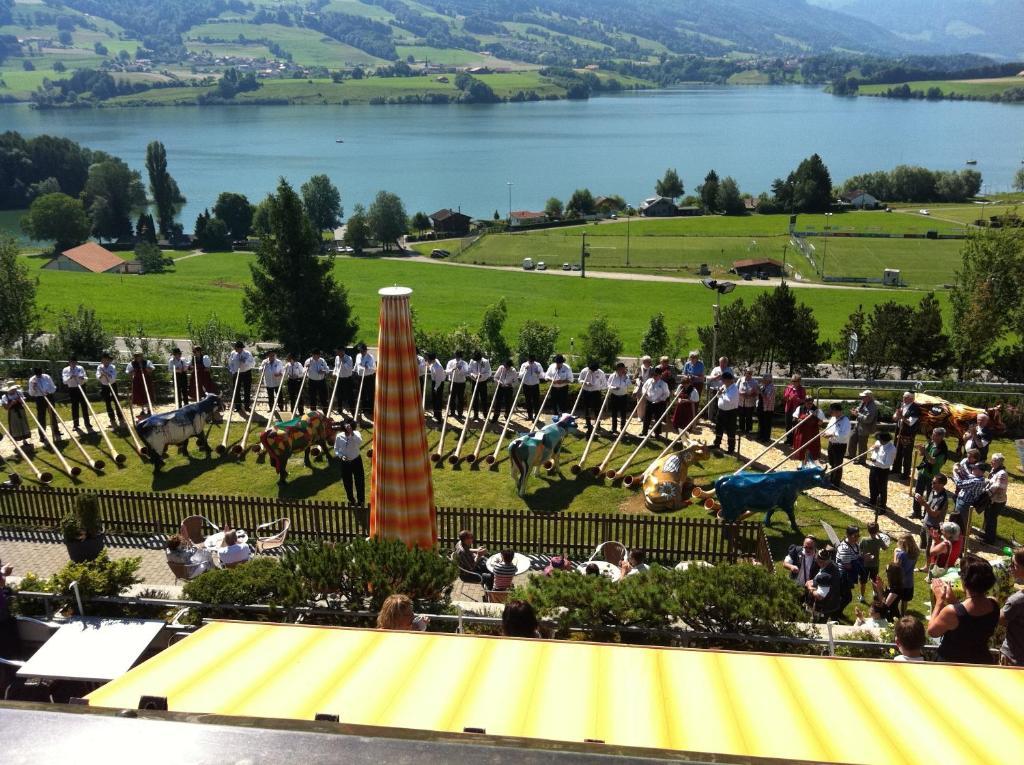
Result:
<point x="613" y="552"/>
<point x="192" y="528"/>
<point x="263" y="544"/>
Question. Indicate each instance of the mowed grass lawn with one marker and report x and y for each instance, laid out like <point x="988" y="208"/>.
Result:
<point x="307" y="46"/>
<point x="966" y="213"/>
<point x="923" y="263"/>
<point x="982" y="88"/>
<point x="444" y="297"/>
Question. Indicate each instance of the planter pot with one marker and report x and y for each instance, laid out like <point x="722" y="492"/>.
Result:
<point x="85" y="549"/>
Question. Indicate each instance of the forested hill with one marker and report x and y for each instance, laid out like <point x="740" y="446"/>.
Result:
<point x="544" y="31"/>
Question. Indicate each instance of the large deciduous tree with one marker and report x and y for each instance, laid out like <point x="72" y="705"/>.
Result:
<point x="730" y="201"/>
<point x="357" y="231"/>
<point x="709" y="192"/>
<point x="294" y="297"/>
<point x="601" y="342"/>
<point x="806" y="189"/>
<point x="669" y="185"/>
<point x="322" y="202"/>
<point x="57" y="217"/>
<point x="536" y="339"/>
<point x="580" y="203"/>
<point x="236" y="212"/>
<point x="111" y="192"/>
<point x="387" y="219"/>
<point x="162" y="187"/>
<point x="18" y="313"/>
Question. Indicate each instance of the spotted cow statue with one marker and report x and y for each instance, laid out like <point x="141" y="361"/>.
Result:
<point x="737" y="494"/>
<point x="159" y="431"/>
<point x="538" y="447"/>
<point x="666" y="485"/>
<point x="291" y="436"/>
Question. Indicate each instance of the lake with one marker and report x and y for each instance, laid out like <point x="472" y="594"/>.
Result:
<point x="464" y="156"/>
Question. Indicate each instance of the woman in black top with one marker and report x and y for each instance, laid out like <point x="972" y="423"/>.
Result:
<point x="965" y="627"/>
<point x="889" y="597"/>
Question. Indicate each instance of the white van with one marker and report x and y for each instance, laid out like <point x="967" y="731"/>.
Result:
<point x="528" y="264"/>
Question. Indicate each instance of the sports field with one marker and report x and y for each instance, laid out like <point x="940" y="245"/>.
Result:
<point x="923" y="263"/>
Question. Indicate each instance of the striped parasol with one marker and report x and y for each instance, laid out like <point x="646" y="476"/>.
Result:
<point x="401" y="491"/>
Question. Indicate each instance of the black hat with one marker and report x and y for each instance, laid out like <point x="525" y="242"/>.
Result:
<point x="727" y="375"/>
<point x="559" y="359"/>
<point x="239" y="344"/>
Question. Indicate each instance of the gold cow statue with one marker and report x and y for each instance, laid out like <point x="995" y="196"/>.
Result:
<point x="666" y="485"/>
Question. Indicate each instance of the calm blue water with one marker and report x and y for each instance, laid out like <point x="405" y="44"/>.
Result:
<point x="464" y="156"/>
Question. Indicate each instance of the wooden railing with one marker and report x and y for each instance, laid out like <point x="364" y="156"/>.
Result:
<point x="576" y="535"/>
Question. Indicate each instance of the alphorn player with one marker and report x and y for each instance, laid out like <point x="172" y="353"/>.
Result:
<point x="140" y="375"/>
<point x="200" y="382"/>
<point x="177" y="367"/>
<point x="620" y="402"/>
<point x="366" y="369"/>
<point x="273" y="375"/>
<point x="41" y="389"/>
<point x="17" y="419"/>
<point x="480" y="373"/>
<point x="560" y="375"/>
<point x="293" y="381"/>
<point x="437" y="379"/>
<point x="596" y="383"/>
<point x="457" y="370"/>
<point x="344" y="369"/>
<point x="240" y="365"/>
<point x="106" y="373"/>
<point x="316" y="379"/>
<point x="532" y="373"/>
<point x="73" y="376"/>
<point x="506" y="379"/>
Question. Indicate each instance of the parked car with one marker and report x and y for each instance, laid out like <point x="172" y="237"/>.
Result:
<point x="439" y="253"/>
<point x="575" y="266"/>
<point x="542" y="266"/>
<point x="924" y="212"/>
<point x="528" y="264"/>
<point x="566" y="267"/>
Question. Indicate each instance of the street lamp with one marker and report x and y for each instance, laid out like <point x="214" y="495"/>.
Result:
<point x="584" y="254"/>
<point x="722" y="288"/>
<point x="828" y="230"/>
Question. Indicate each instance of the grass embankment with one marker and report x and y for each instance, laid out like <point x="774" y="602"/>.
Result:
<point x="444" y="297"/>
<point x="307" y="46"/>
<point x="984" y="88"/>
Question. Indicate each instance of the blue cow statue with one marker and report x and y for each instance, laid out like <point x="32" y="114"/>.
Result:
<point x="538" y="447"/>
<point x="162" y="430"/>
<point x="739" y="493"/>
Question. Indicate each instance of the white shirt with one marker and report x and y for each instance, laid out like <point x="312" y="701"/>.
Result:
<point x="457" y="369"/>
<point x="902" y="414"/>
<point x="73" y="376"/>
<point x="206" y="361"/>
<point x="716" y="384"/>
<point x="236" y="553"/>
<point x="729" y="397"/>
<point x="421" y="365"/>
<point x="129" y="369"/>
<point x="106" y="374"/>
<point x="240" y="361"/>
<point x="619" y="384"/>
<point x="273" y="373"/>
<point x="41" y="385"/>
<point x="318" y="368"/>
<point x="656" y="390"/>
<point x="343" y="366"/>
<point x="694" y="395"/>
<point x="437" y="374"/>
<point x="901" y="657"/>
<point x="346" y="448"/>
<point x="180" y="364"/>
<point x="531" y="372"/>
<point x="365" y="364"/>
<point x="506" y="376"/>
<point x="480" y="370"/>
<point x="293" y="370"/>
<point x="800" y="410"/>
<point x="11" y="398"/>
<point x="838" y="430"/>
<point x="560" y="376"/>
<point x="593" y="379"/>
<point x="882" y="455"/>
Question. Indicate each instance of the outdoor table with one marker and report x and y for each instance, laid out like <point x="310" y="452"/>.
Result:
<point x="521" y="561"/>
<point x="92" y="649"/>
<point x="610" y="570"/>
<point x="216" y="541"/>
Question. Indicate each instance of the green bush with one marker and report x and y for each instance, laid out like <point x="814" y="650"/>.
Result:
<point x="261" y="580"/>
<point x="84" y="521"/>
<point x="101" y="577"/>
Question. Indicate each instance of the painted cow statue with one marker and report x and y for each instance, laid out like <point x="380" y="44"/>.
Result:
<point x="666" y="485"/>
<point x="957" y="419"/>
<point x="291" y="436"/>
<point x="530" y="451"/>
<point x="159" y="431"/>
<point x="738" y="493"/>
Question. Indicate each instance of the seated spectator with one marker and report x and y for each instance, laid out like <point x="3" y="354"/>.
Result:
<point x="889" y="596"/>
<point x="824" y="592"/>
<point x="231" y="553"/>
<point x="802" y="562"/>
<point x="635" y="564"/>
<point x="505" y="571"/>
<point x="472" y="559"/>
<point x="947" y="543"/>
<point x="1011" y="653"/>
<point x="519" y="620"/>
<point x="910" y="639"/>
<point x="965" y="627"/>
<point x="593" y="570"/>
<point x="558" y="563"/>
<point x="181" y="551"/>
<point x="876" y="617"/>
<point x="396" y="614"/>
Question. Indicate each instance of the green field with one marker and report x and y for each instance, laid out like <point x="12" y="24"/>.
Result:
<point x="213" y="283"/>
<point x="923" y="263"/>
<point x="977" y="88"/>
<point x="942" y="214"/>
<point x="307" y="47"/>
<point x="444" y="56"/>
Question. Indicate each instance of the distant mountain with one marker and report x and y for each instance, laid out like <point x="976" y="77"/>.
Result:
<point x="989" y="27"/>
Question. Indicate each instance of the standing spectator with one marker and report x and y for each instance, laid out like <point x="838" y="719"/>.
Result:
<point x="346" y="448"/>
<point x="665" y="365"/>
<point x="979" y="436"/>
<point x="793" y="398"/>
<point x="837" y="430"/>
<point x="806" y="438"/>
<point x="962" y="469"/>
<point x="906" y="555"/>
<point x="998" y="481"/>
<point x="866" y="413"/>
<point x="642" y="375"/>
<point x="715" y="382"/>
<point x="825" y="589"/>
<point x="1011" y="653"/>
<point x="519" y="620"/>
<point x="17" y="421"/>
<point x="910" y="639"/>
<point x="871" y="548"/>
<point x="879" y="461"/>
<point x="10" y="641"/>
<point x="888" y="598"/>
<point x="802" y="562"/>
<point x="728" y="402"/>
<point x="967" y="627"/>
<point x="472" y="560"/>
<point x="851" y="563"/>
<point x="932" y="457"/>
<point x="765" y="409"/>
<point x="936" y="506"/>
<point x="694" y="369"/>
<point x="968" y="492"/>
<point x="750" y="392"/>
<point x="505" y="572"/>
<point x="908" y="419"/>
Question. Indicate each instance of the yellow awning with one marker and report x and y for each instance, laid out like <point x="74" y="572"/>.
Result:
<point x="792" y="707"/>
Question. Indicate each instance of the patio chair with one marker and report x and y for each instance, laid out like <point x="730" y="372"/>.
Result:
<point x="185" y="571"/>
<point x="613" y="552"/>
<point x="263" y="544"/>
<point x="495" y="596"/>
<point x="192" y="528"/>
<point x="467" y="576"/>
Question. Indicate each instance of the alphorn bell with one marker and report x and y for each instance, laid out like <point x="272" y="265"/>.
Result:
<point x="96" y="465"/>
<point x="139" y="448"/>
<point x="41" y="475"/>
<point x="471" y="458"/>
<point x="453" y="459"/>
<point x="13" y="479"/>
<point x="72" y="470"/>
<point x="599" y="470"/>
<point x="222" y="447"/>
<point x="491" y="458"/>
<point x="119" y="459"/>
<point x="436" y="456"/>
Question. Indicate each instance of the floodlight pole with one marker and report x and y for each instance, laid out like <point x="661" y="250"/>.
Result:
<point x="583" y="258"/>
<point x="714" y="332"/>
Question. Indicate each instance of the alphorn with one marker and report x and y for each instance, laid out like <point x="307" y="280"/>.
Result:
<point x="174" y="382"/>
<point x="579" y="395"/>
<point x="239" y="449"/>
<point x="629" y="480"/>
<point x="359" y="399"/>
<point x="599" y="470"/>
<point x="491" y="458"/>
<point x="453" y="459"/>
<point x="540" y="410"/>
<point x="330" y="401"/>
<point x="119" y="459"/>
<point x="96" y="465"/>
<point x="258" y="447"/>
<point x="223" y="446"/>
<point x="72" y="470"/>
<point x="42" y="476"/>
<point x="436" y="456"/>
<point x="423" y="403"/>
<point x="145" y="386"/>
<point x="298" y="396"/>
<point x="471" y="458"/>
<point x="139" y="448"/>
<point x="578" y="467"/>
<point x="13" y="479"/>
<point x="653" y="427"/>
<point x="841" y="465"/>
<point x="768" y="448"/>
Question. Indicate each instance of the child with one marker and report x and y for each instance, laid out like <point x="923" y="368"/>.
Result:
<point x="910" y="639"/>
<point x="876" y="618"/>
<point x="871" y="548"/>
<point x="505" y="571"/>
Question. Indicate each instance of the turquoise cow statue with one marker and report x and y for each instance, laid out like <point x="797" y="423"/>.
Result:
<point x="538" y="447"/>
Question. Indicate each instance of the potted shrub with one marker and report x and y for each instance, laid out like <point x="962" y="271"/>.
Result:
<point x="81" y="528"/>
